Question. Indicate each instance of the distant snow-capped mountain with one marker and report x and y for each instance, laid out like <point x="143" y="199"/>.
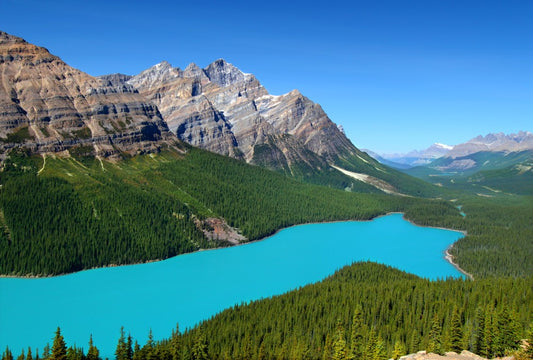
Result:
<point x="417" y="157"/>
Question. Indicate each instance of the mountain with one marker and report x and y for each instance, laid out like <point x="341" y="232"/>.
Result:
<point x="499" y="142"/>
<point x="48" y="106"/>
<point x="221" y="109"/>
<point x="495" y="162"/>
<point x="417" y="157"/>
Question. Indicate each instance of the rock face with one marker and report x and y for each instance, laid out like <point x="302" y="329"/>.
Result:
<point x="48" y="106"/>
<point x="226" y="111"/>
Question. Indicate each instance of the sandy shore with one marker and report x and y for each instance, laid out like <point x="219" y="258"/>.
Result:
<point x="449" y="258"/>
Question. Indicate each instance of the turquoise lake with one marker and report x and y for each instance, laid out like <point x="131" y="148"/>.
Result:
<point x="193" y="287"/>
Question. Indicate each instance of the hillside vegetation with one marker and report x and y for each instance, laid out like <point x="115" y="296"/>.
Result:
<point x="62" y="215"/>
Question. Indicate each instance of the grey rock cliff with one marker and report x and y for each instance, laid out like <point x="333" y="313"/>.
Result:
<point x="224" y="110"/>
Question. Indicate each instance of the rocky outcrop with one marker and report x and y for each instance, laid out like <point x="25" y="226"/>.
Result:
<point x="229" y="112"/>
<point x="46" y="105"/>
<point x="464" y="355"/>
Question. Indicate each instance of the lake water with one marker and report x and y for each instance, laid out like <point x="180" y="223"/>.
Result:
<point x="192" y="287"/>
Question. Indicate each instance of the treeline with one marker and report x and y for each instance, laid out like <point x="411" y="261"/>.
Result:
<point x="365" y="311"/>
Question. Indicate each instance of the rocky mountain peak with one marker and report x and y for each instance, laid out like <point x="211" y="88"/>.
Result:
<point x="193" y="70"/>
<point x="223" y="73"/>
<point x="159" y="73"/>
<point x="13" y="48"/>
<point x="523" y="140"/>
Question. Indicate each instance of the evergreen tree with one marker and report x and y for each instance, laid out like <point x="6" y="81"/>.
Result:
<point x="21" y="356"/>
<point x="529" y="341"/>
<point x="129" y="348"/>
<point x="121" y="352"/>
<point x="456" y="332"/>
<point x="379" y="352"/>
<point x="339" y="343"/>
<point x="371" y="345"/>
<point x="479" y="338"/>
<point x="75" y="353"/>
<point x="507" y="337"/>
<point x="356" y="341"/>
<point x="148" y="348"/>
<point x="59" y="347"/>
<point x="7" y="355"/>
<point x="261" y="353"/>
<point x="328" y="349"/>
<point x="486" y="349"/>
<point x="199" y="350"/>
<point x="46" y="351"/>
<point x="93" y="353"/>
<point x="399" y="350"/>
<point x="137" y="352"/>
<point x="29" y="356"/>
<point x="175" y="346"/>
<point x="435" y="336"/>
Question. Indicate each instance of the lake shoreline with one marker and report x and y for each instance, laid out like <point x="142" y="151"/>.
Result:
<point x="447" y="256"/>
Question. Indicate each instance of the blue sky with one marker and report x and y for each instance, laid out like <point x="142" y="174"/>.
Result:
<point x="397" y="75"/>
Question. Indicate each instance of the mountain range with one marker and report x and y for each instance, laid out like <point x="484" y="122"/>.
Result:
<point x="46" y="106"/>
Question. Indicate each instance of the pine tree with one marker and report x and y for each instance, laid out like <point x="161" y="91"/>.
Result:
<point x="261" y="353"/>
<point x="356" y="341"/>
<point x="339" y="343"/>
<point x="137" y="352"/>
<point x="199" y="349"/>
<point x="456" y="332"/>
<point x="488" y="334"/>
<point x="59" y="347"/>
<point x="7" y="355"/>
<point x="529" y="346"/>
<point x="175" y="346"/>
<point x="29" y="356"/>
<point x="435" y="336"/>
<point x="46" y="352"/>
<point x="371" y="345"/>
<point x="92" y="353"/>
<point x="148" y="348"/>
<point x="479" y="331"/>
<point x="399" y="350"/>
<point x="328" y="350"/>
<point x="506" y="337"/>
<point x="379" y="352"/>
<point x="21" y="356"/>
<point x="121" y="353"/>
<point x="129" y="348"/>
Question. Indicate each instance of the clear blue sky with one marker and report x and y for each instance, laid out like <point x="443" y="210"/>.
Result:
<point x="397" y="75"/>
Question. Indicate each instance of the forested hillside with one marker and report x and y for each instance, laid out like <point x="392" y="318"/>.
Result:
<point x="66" y="214"/>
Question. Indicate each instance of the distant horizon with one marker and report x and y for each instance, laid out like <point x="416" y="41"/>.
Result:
<point x="396" y="76"/>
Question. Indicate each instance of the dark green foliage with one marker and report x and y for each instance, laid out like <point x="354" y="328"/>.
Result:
<point x="455" y="336"/>
<point x="92" y="353"/>
<point x="59" y="347"/>
<point x="18" y="136"/>
<point x="7" y="355"/>
<point x="435" y="336"/>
